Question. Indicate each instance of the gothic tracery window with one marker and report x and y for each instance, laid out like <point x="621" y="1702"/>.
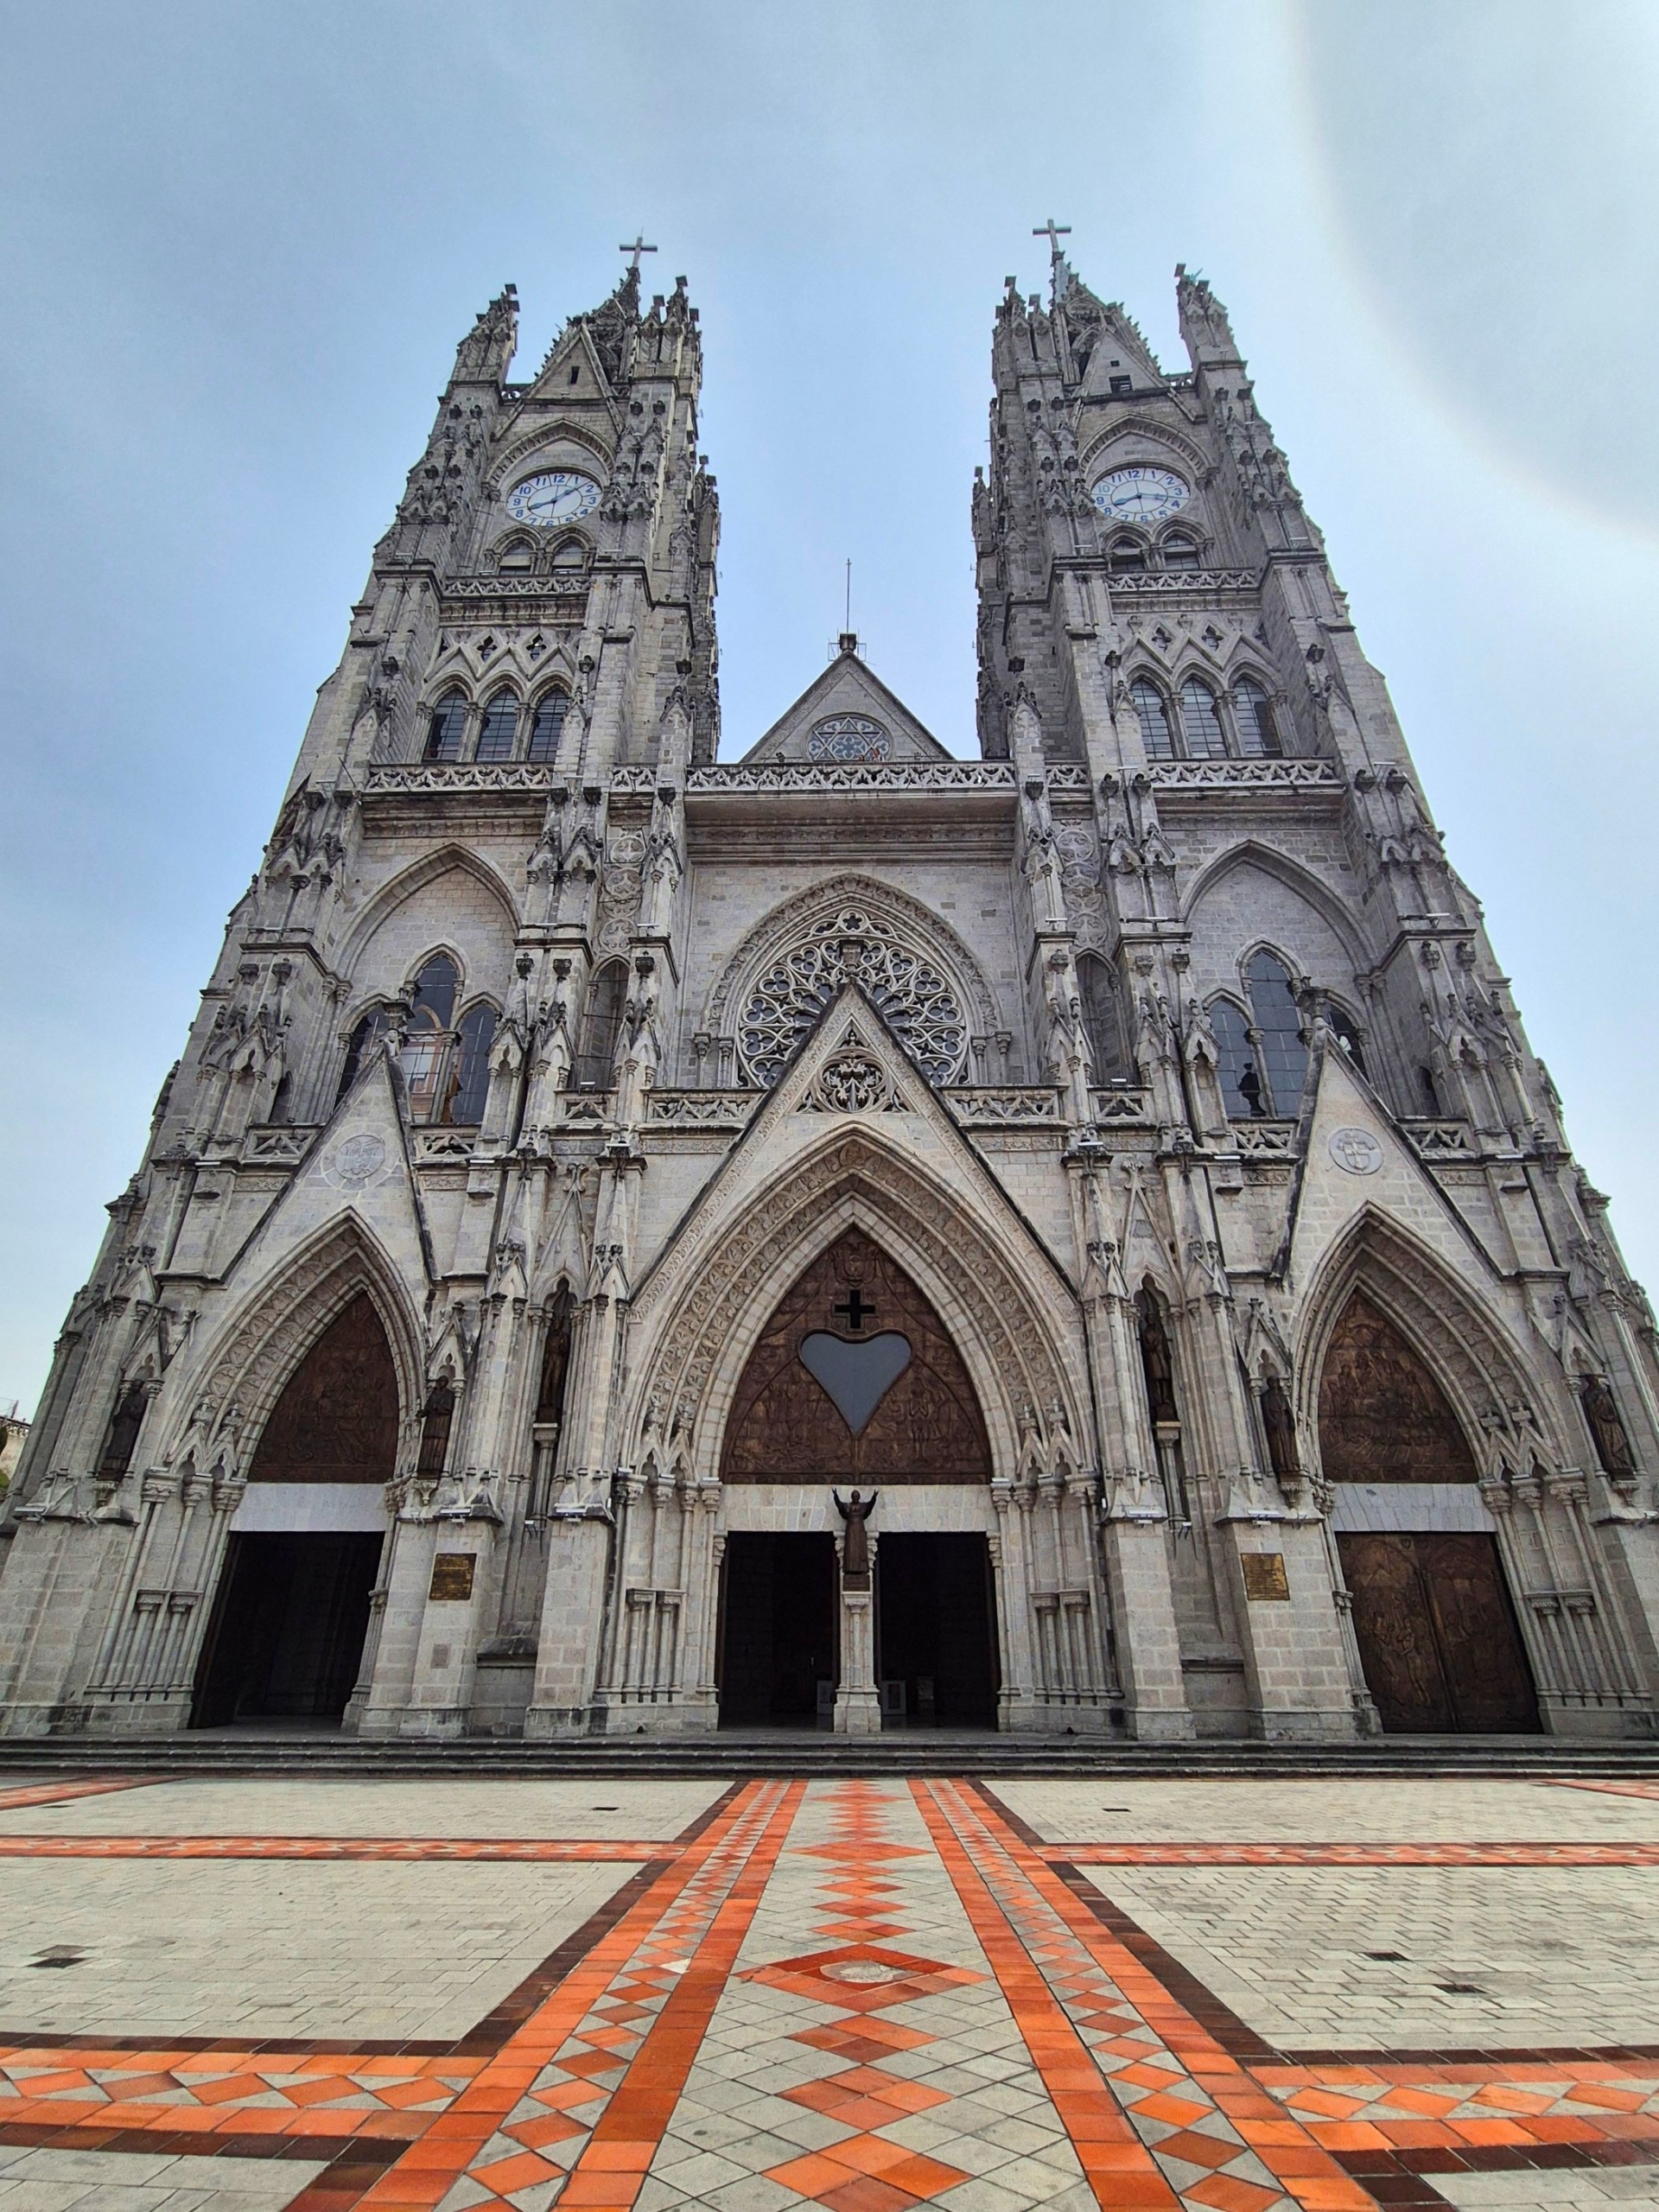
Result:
<point x="499" y="728"/>
<point x="1201" y="722"/>
<point x="1278" y="1025"/>
<point x="1178" y="552"/>
<point x="1241" y="1089"/>
<point x="1128" y="555"/>
<point x="852" y="945"/>
<point x="1258" y="734"/>
<point x="1152" y="712"/>
<point x="547" y="725"/>
<point x="364" y="1039"/>
<point x="446" y="732"/>
<point x="425" y="1057"/>
<point x="473" y="1038"/>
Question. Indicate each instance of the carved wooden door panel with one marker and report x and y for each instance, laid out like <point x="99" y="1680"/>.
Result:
<point x="1397" y="1643"/>
<point x="1485" y="1664"/>
<point x="855" y="1379"/>
<point x="1437" y="1635"/>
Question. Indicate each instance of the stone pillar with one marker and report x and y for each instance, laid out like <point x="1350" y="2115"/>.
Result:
<point x="457" y="1605"/>
<point x="1134" y="1543"/>
<point x="573" y="1612"/>
<point x="1295" y="1668"/>
<point x="858" y="1702"/>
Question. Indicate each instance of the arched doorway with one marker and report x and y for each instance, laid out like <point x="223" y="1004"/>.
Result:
<point x="855" y="1384"/>
<point x="286" y="1636"/>
<point x="1437" y="1632"/>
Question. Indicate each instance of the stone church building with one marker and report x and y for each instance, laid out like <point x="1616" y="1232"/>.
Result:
<point x="1071" y="1240"/>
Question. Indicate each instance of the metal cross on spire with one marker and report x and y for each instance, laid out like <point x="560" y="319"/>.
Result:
<point x="1053" y="233"/>
<point x="634" y="250"/>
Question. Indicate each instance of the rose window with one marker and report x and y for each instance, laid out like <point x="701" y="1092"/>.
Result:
<point x="916" y="998"/>
<point x="848" y="742"/>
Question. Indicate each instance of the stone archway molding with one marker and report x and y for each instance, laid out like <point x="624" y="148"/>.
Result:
<point x="246" y="1366"/>
<point x="1507" y="1418"/>
<point x="721" y="1282"/>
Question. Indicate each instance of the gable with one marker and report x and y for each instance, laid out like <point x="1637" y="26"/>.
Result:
<point x="846" y="718"/>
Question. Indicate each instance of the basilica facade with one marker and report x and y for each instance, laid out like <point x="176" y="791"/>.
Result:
<point x="844" y="1235"/>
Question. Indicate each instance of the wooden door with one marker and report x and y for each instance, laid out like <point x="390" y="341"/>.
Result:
<point x="1437" y="1634"/>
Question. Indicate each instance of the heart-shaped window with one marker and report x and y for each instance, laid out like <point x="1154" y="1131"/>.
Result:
<point x="856" y="1374"/>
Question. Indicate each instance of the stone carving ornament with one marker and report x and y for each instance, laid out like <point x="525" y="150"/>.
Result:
<point x="852" y="944"/>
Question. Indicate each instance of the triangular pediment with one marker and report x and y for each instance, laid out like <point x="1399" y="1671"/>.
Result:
<point x="1359" y="1161"/>
<point x="850" y="1074"/>
<point x="359" y="1164"/>
<point x="847" y="716"/>
<point x="573" y="350"/>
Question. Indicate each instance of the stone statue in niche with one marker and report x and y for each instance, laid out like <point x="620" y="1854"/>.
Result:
<point x="1279" y="1424"/>
<point x="856" y="1544"/>
<point x="1613" y="1445"/>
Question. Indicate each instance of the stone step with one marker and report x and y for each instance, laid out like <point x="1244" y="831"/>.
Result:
<point x="787" y="1752"/>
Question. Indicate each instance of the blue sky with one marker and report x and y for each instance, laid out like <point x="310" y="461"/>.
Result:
<point x="242" y="240"/>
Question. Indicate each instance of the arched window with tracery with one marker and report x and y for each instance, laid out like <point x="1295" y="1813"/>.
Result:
<point x="1178" y="552"/>
<point x="594" y="1068"/>
<point x="517" y="557"/>
<point x="1278" y="1024"/>
<point x="547" y="725"/>
<point x="1241" y="1089"/>
<point x="1201" y="728"/>
<point x="1102" y="1018"/>
<point x="1152" y="712"/>
<point x="1127" y="556"/>
<point x="425" y="1058"/>
<point x="473" y="1039"/>
<point x="499" y="729"/>
<point x="446" y="731"/>
<point x="569" y="553"/>
<point x="917" y="996"/>
<point x="1258" y="734"/>
<point x="360" y="1048"/>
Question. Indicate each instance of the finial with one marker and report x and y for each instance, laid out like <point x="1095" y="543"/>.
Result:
<point x="634" y="249"/>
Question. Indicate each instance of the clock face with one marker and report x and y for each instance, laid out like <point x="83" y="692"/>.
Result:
<point x="559" y="496"/>
<point x="1140" y="495"/>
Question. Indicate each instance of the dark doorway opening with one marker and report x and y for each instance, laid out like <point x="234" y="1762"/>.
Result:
<point x="777" y="1628"/>
<point x="286" y="1639"/>
<point x="1437" y="1634"/>
<point x="936" y="1630"/>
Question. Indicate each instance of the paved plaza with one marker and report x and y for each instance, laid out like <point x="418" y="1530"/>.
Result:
<point x="245" y="1994"/>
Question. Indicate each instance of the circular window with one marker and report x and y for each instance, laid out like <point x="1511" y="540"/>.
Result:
<point x="918" y="999"/>
<point x="848" y="742"/>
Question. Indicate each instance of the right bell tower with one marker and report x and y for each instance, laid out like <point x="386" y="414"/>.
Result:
<point x="1256" y="947"/>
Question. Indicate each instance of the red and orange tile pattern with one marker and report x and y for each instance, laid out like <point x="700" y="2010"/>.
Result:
<point x="904" y="1978"/>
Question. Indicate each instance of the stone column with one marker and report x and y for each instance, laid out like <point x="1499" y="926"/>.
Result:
<point x="858" y="1702"/>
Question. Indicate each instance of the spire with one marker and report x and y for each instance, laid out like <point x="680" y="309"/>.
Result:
<point x="1061" y="275"/>
<point x="484" y="353"/>
<point x="1206" y="330"/>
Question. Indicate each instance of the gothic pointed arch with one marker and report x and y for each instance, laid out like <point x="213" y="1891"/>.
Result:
<point x="892" y="918"/>
<point x="430" y="868"/>
<point x="248" y="1362"/>
<point x="855" y="1378"/>
<point x="1505" y="1419"/>
<point x="1250" y="852"/>
<point x="706" y="1303"/>
<point x="337" y="1416"/>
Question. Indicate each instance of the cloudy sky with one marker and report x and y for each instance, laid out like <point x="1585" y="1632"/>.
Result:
<point x="244" y="236"/>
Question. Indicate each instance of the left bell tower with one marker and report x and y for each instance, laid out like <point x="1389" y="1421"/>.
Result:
<point x="531" y="664"/>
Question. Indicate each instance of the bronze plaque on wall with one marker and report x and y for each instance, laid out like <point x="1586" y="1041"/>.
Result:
<point x="452" y="1574"/>
<point x="1264" y="1577"/>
